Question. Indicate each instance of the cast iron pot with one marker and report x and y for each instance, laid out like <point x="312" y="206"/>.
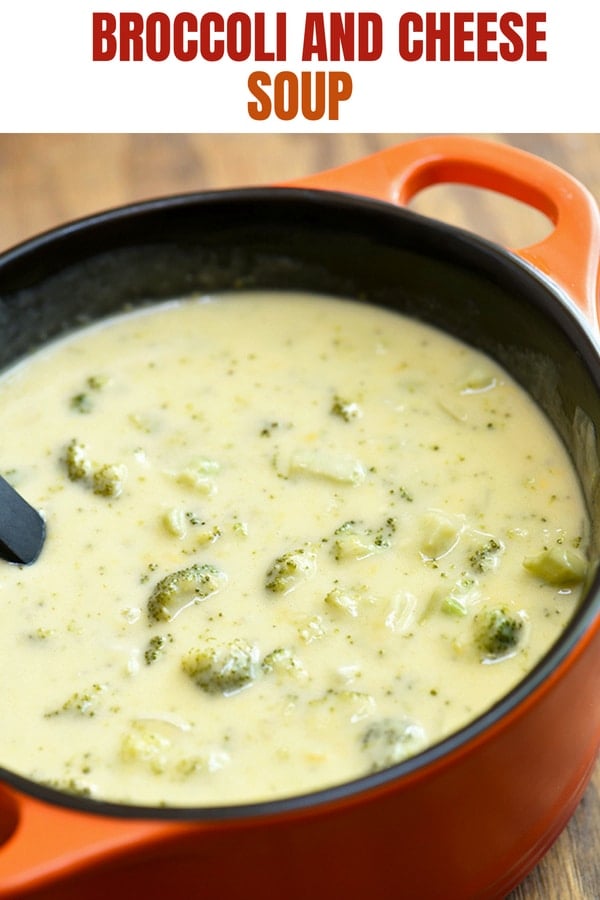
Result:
<point x="469" y="817"/>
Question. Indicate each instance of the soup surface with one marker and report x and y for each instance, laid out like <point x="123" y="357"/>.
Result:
<point x="291" y="540"/>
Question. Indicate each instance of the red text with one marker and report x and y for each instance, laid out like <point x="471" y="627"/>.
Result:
<point x="467" y="37"/>
<point x="350" y="36"/>
<point x="131" y="36"/>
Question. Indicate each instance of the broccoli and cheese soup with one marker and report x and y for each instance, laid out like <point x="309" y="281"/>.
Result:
<point x="291" y="540"/>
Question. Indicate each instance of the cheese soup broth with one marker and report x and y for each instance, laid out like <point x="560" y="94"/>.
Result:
<point x="291" y="540"/>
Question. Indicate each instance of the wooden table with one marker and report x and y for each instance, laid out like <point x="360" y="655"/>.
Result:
<point x="49" y="179"/>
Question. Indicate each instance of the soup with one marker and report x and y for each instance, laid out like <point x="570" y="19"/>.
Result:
<point x="291" y="540"/>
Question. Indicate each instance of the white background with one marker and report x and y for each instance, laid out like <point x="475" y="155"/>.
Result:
<point x="50" y="83"/>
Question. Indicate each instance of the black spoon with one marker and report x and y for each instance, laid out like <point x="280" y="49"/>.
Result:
<point x="22" y="529"/>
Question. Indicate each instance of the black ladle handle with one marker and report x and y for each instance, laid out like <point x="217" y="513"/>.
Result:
<point x="22" y="528"/>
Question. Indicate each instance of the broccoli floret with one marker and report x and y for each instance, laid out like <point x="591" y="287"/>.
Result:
<point x="82" y="403"/>
<point x="290" y="569"/>
<point x="389" y="741"/>
<point x="498" y="632"/>
<point x="354" y="540"/>
<point x="345" y="409"/>
<point x="351" y="541"/>
<point x="222" y="668"/>
<point x="383" y="536"/>
<point x="208" y="535"/>
<point x="269" y="428"/>
<point x="182" y="588"/>
<point x="77" y="460"/>
<point x="84" y="703"/>
<point x="164" y="749"/>
<point x="108" y="480"/>
<point x="156" y="647"/>
<point x="311" y="629"/>
<point x="454" y="600"/>
<point x="559" y="565"/>
<point x="41" y="634"/>
<point x="97" y="382"/>
<point x="485" y="557"/>
<point x="71" y="786"/>
<point x="147" y="745"/>
<point x="347" y="602"/>
<point x="177" y="520"/>
<point x="283" y="662"/>
<point x="346" y="704"/>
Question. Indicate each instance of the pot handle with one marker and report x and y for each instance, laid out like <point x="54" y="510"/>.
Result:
<point x="48" y="843"/>
<point x="569" y="255"/>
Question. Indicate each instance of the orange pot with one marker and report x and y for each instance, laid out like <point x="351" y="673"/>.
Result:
<point x="469" y="817"/>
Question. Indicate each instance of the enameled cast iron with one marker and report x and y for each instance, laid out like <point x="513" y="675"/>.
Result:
<point x="471" y="816"/>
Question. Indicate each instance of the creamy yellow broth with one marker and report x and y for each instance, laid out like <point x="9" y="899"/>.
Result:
<point x="291" y="540"/>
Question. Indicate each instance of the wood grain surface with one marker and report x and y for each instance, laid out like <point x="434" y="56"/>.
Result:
<point x="48" y="179"/>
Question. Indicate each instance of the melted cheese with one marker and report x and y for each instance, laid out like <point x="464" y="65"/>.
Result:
<point x="278" y="527"/>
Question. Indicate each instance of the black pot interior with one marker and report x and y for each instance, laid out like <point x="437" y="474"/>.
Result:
<point x="330" y="243"/>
